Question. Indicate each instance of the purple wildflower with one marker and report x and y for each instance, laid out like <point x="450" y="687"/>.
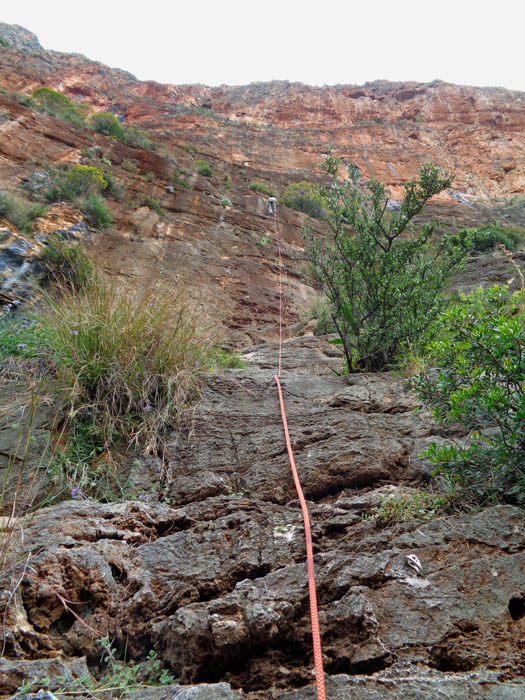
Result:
<point x="147" y="407"/>
<point x="73" y="332"/>
<point x="77" y="493"/>
<point x="143" y="497"/>
<point x="16" y="302"/>
<point x="20" y="346"/>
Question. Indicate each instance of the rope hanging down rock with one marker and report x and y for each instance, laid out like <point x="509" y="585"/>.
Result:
<point x="316" y="637"/>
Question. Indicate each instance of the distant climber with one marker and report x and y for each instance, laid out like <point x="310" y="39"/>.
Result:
<point x="272" y="205"/>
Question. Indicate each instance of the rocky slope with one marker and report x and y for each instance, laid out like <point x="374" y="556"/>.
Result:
<point x="214" y="581"/>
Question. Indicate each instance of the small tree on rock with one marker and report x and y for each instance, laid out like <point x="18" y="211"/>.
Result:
<point x="383" y="279"/>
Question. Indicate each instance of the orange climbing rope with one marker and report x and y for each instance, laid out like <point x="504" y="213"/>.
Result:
<point x="316" y="637"/>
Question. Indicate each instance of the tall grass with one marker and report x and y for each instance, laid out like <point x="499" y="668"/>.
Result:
<point x="127" y="361"/>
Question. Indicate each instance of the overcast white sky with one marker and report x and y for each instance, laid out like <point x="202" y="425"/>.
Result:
<point x="468" y="42"/>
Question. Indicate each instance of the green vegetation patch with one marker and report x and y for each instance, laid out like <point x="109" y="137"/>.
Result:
<point x="204" y="168"/>
<point x="474" y="377"/>
<point x="261" y="187"/>
<point x="58" y="105"/>
<point x="384" y="280"/>
<point x="20" y="211"/>
<point x="306" y="197"/>
<point x="485" y="238"/>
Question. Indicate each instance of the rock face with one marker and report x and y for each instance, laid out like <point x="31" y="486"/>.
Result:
<point x="19" y="38"/>
<point x="210" y="573"/>
<point x="217" y="585"/>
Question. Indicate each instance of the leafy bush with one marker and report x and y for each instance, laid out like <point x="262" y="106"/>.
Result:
<point x="20" y="211"/>
<point x="474" y="376"/>
<point x="96" y="210"/>
<point x="261" y="187"/>
<point x="78" y="181"/>
<point x="487" y="237"/>
<point x="127" y="361"/>
<point x="106" y="123"/>
<point x="113" y="187"/>
<point x="135" y="136"/>
<point x="58" y="105"/>
<point x="204" y="168"/>
<point x="306" y="197"/>
<point x="385" y="289"/>
<point x="226" y="202"/>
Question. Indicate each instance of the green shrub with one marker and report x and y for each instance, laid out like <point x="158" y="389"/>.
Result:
<point x="20" y="211"/>
<point x="474" y="377"/>
<point x="58" y="105"/>
<point x="5" y="43"/>
<point x="127" y="361"/>
<point x="135" y="136"/>
<point x="24" y="100"/>
<point x="488" y="237"/>
<point x="96" y="210"/>
<point x="106" y="123"/>
<point x="179" y="180"/>
<point x="93" y="152"/>
<point x="262" y="187"/>
<point x="384" y="288"/>
<point x="67" y="263"/>
<point x="113" y="187"/>
<point x="304" y="196"/>
<point x="78" y="181"/>
<point x="226" y="202"/>
<point x="204" y="168"/>
<point x="152" y="203"/>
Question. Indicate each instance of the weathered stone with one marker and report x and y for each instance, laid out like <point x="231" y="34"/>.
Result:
<point x="17" y="251"/>
<point x="14" y="673"/>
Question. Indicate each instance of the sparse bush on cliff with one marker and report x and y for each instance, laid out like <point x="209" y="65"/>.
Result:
<point x="135" y="136"/>
<point x="58" y="105"/>
<point x="82" y="184"/>
<point x="152" y="203"/>
<point x="78" y="181"/>
<point x="19" y="211"/>
<point x="474" y="376"/>
<point x="106" y="123"/>
<point x="204" y="168"/>
<point x="306" y="197"/>
<point x="96" y="211"/>
<point x="261" y="187"/>
<point x="384" y="287"/>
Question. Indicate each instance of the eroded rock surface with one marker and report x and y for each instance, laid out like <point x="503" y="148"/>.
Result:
<point x="216" y="583"/>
